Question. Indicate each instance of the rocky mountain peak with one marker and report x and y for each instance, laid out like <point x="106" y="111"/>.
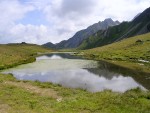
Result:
<point x="108" y="20"/>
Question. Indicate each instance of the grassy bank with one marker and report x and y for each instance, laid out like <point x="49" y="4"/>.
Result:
<point x="27" y="97"/>
<point x="133" y="53"/>
<point x="15" y="54"/>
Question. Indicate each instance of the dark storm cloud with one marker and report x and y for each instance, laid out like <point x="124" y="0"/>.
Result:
<point x="62" y="31"/>
<point x="77" y="7"/>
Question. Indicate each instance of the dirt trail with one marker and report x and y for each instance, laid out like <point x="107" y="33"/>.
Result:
<point x="35" y="89"/>
<point x="4" y="108"/>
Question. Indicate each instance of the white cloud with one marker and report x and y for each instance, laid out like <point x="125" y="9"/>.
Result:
<point x="65" y="17"/>
<point x="12" y="10"/>
<point x="121" y="9"/>
<point x="28" y="33"/>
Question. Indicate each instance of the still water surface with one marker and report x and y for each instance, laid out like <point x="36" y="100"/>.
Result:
<point x="74" y="72"/>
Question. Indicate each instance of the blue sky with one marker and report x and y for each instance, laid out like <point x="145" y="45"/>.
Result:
<point x="41" y="21"/>
<point x="34" y="17"/>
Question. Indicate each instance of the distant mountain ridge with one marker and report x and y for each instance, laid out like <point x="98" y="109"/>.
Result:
<point x="107" y="32"/>
<point x="77" y="39"/>
<point x="49" y="45"/>
<point x="140" y="25"/>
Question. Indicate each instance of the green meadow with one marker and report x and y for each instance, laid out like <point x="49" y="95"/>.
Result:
<point x="36" y="97"/>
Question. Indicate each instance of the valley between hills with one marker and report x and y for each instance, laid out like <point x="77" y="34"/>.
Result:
<point x="36" y="97"/>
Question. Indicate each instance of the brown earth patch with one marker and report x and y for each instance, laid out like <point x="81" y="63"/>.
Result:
<point x="35" y="89"/>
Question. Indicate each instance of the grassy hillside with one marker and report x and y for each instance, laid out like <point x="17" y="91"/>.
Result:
<point x="127" y="49"/>
<point x="15" y="54"/>
<point x="134" y="49"/>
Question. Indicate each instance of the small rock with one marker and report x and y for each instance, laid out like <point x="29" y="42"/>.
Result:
<point x="59" y="99"/>
<point x="139" y="41"/>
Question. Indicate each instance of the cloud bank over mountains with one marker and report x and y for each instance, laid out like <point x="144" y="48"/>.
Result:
<point x="40" y="21"/>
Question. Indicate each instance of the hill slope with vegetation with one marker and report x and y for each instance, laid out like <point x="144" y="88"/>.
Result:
<point x="134" y="49"/>
<point x="15" y="54"/>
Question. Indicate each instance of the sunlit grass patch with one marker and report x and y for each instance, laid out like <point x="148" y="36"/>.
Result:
<point x="129" y="50"/>
<point x="16" y="54"/>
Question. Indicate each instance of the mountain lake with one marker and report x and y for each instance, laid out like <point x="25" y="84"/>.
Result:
<point x="75" y="72"/>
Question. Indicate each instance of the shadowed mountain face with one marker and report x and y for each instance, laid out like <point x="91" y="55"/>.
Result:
<point x="78" y="38"/>
<point x="140" y="25"/>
